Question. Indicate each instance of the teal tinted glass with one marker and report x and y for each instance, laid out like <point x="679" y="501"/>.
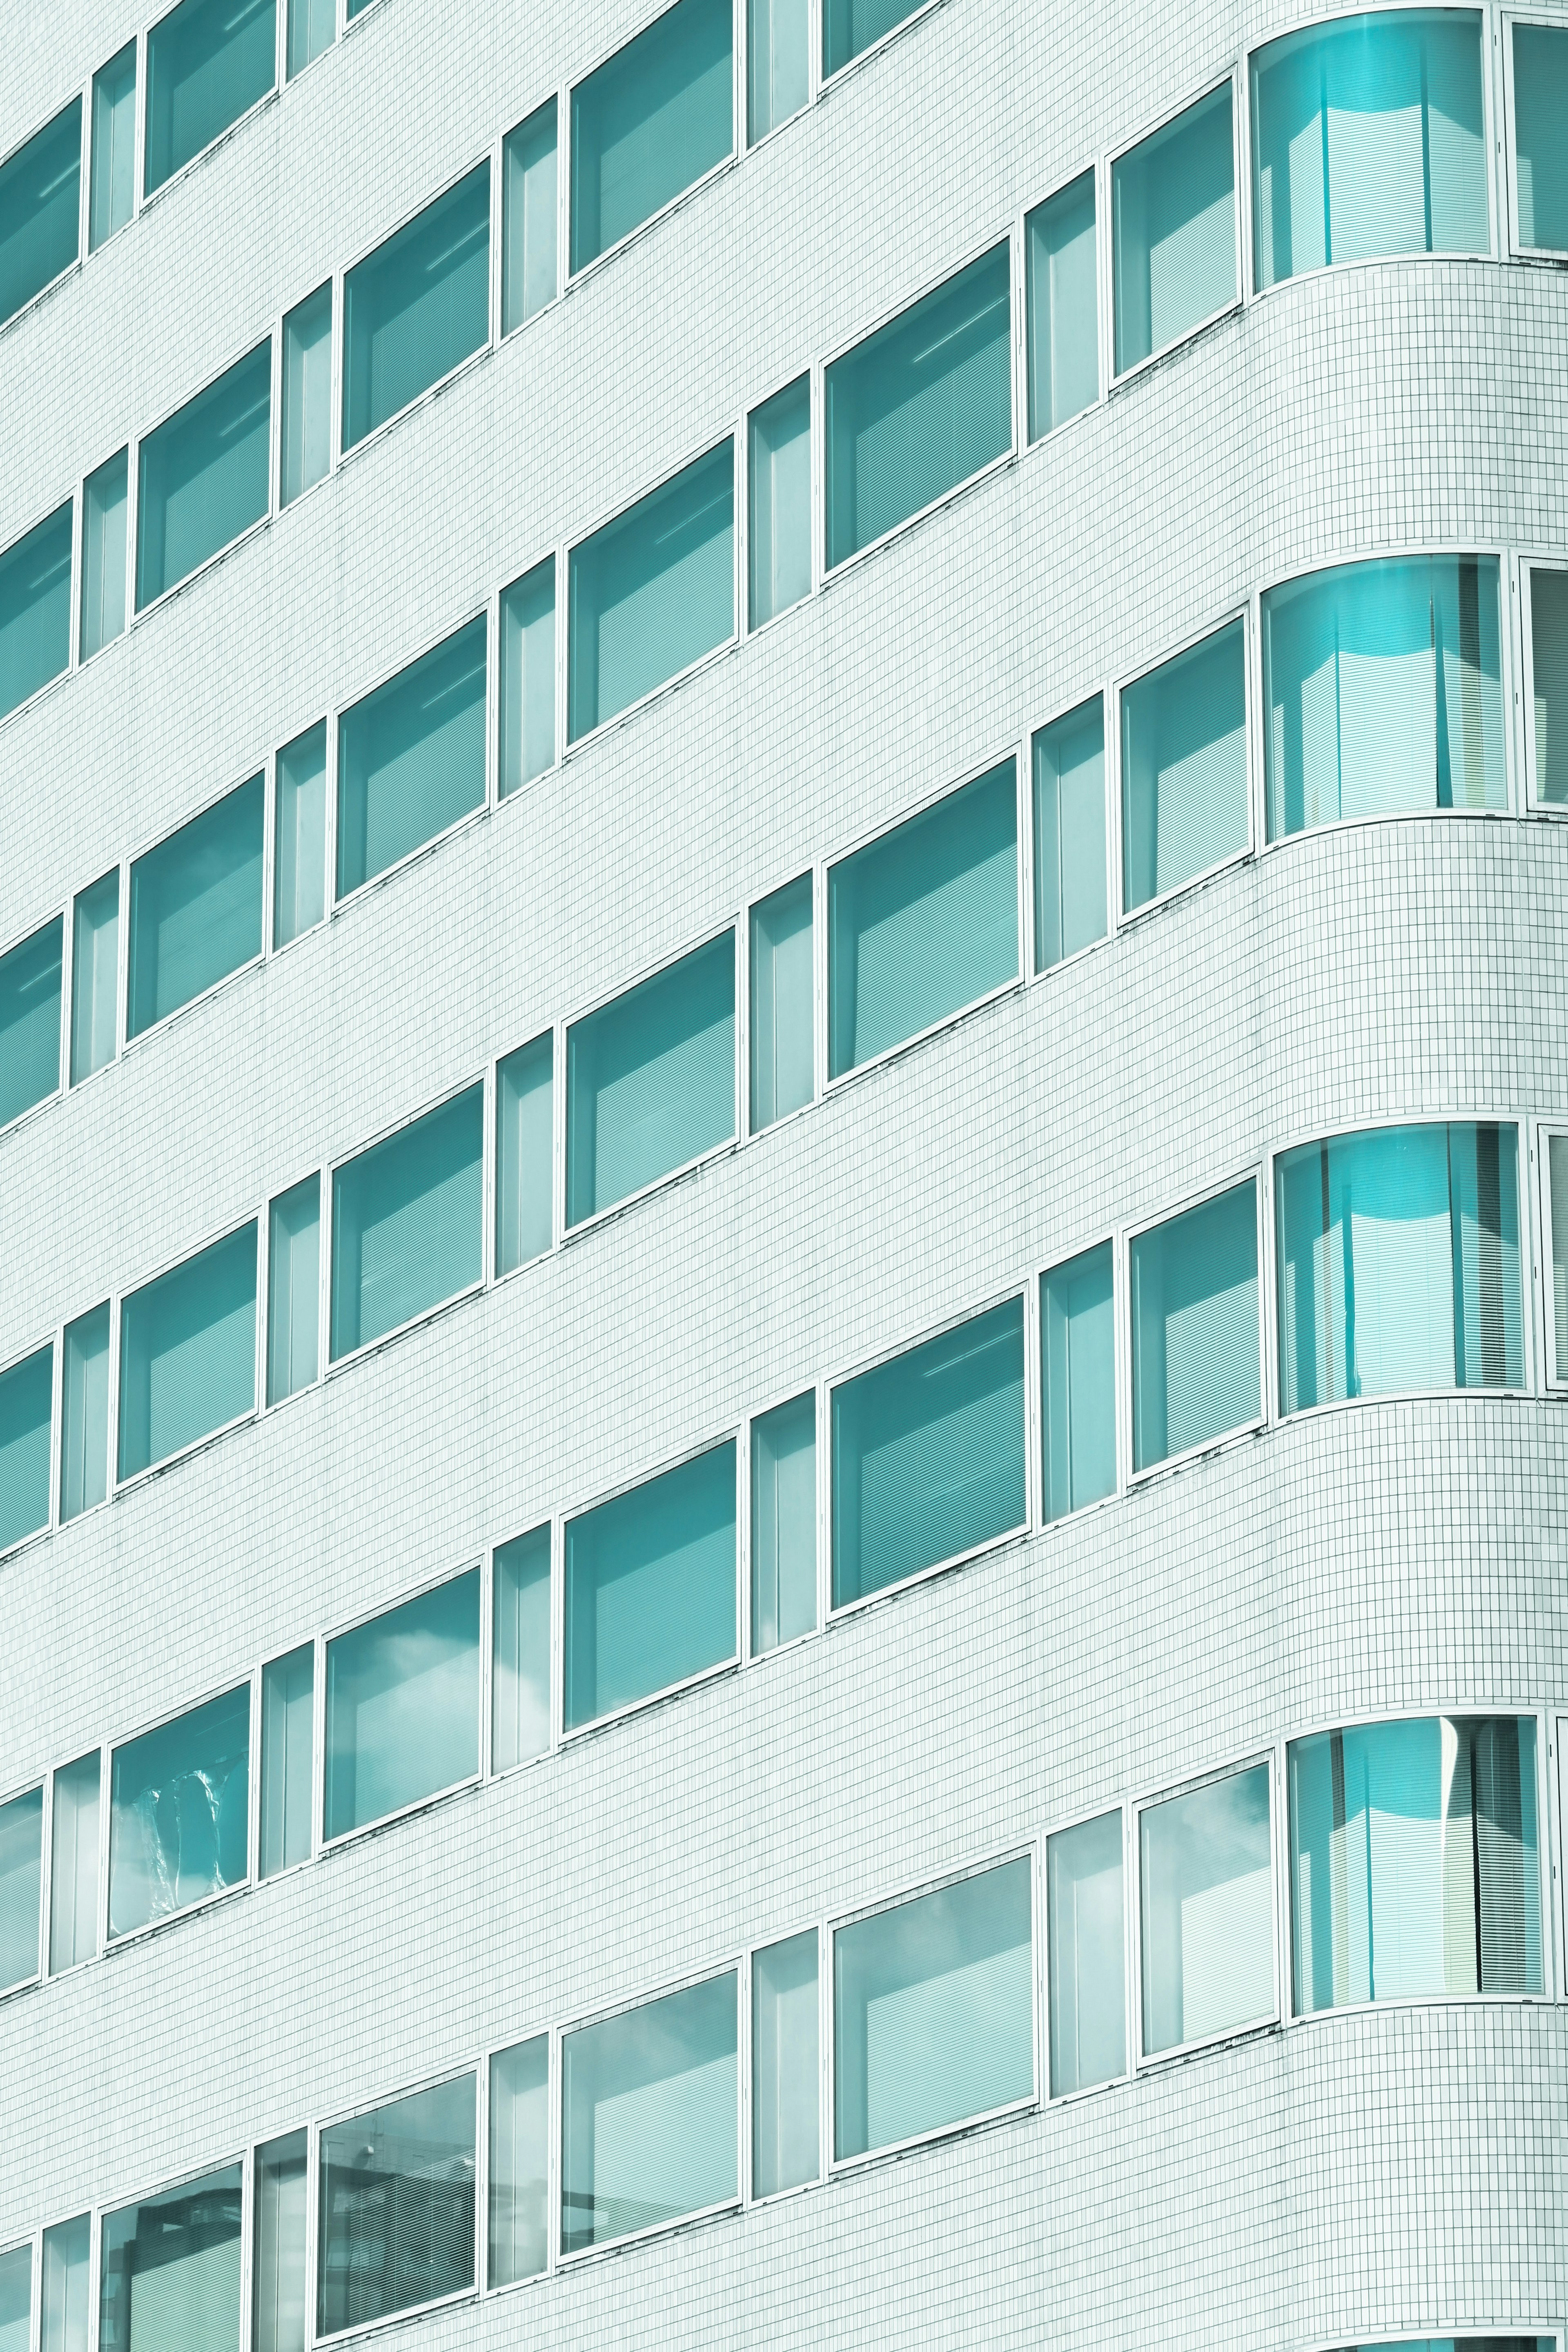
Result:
<point x="525" y="1136"/>
<point x="113" y="193"/>
<point x="529" y="235"/>
<point x="778" y="460"/>
<point x="1541" y="160"/>
<point x="293" y="1290"/>
<point x="520" y="2162"/>
<point x="1086" y="1949"/>
<point x="527" y="678"/>
<point x="208" y="62"/>
<point x="1183" y="767"/>
<point x="786" y="2067"/>
<point x="778" y="62"/>
<point x="30" y="1020"/>
<point x="188" y="1352"/>
<point x="1064" y="307"/>
<point x="280" y="2302"/>
<point x="933" y="2007"/>
<point x="106" y="506"/>
<point x="1549" y="683"/>
<point x="649" y="121"/>
<point x="1173" y="202"/>
<point x="36" y="609"/>
<point x="928" y="1454"/>
<point x="416" y="306"/>
<point x="84" y="1412"/>
<point x="520" y="1656"/>
<point x="287" y="1707"/>
<point x="924" y="921"/>
<point x="650" y="1587"/>
<point x="40" y="210"/>
<point x="180" y="1799"/>
<point x="95" y="976"/>
<point x="407" y="1222"/>
<point x="653" y="592"/>
<point x="650" y="1080"/>
<point x="21" y="1887"/>
<point x="311" y="25"/>
<point x="306" y="445"/>
<point x="403" y="1705"/>
<point x="413" y="2160"/>
<point x="67" y="2279"/>
<point x="171" y="2268"/>
<point x="1194" y="1327"/>
<point x="784" y="1523"/>
<point x="1069" y="834"/>
<point x="204" y="475"/>
<point x="1206" y="1921"/>
<point x="850" y="26"/>
<point x="411" y="757"/>
<point x="17" y="2299"/>
<point x="195" y="906"/>
<point x="1078" y="1379"/>
<point x="918" y="406"/>
<point x="27" y="1419"/>
<point x="650" y="2114"/>
<point x="783" y="1014"/>
<point x="300" y="840"/>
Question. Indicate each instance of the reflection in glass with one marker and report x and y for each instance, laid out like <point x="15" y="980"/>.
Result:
<point x="178" y="1826"/>
<point x="649" y="2116"/>
<point x="1207" y="1911"/>
<point x="650" y="1587"/>
<point x="1196" y="1373"/>
<point x="171" y="2268"/>
<point x="396" y="2224"/>
<point x="520" y="2148"/>
<point x="1086" y="1949"/>
<point x="785" y="2065"/>
<point x="403" y="1705"/>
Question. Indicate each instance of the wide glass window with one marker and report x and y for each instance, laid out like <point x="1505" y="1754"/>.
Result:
<point x="519" y="1658"/>
<point x="179" y="1808"/>
<point x="21" y="1887"/>
<point x="928" y="1454"/>
<point x="650" y="1080"/>
<point x="778" y="461"/>
<point x="84" y="1412"/>
<point x="407" y="1222"/>
<point x="1183" y="767"/>
<point x="848" y="27"/>
<point x="652" y="591"/>
<point x="306" y="430"/>
<point x="1549" y="683"/>
<point x="195" y="906"/>
<point x="299" y="847"/>
<point x="398" y="2207"/>
<point x="27" y="1417"/>
<point x="786" y="2136"/>
<point x="1069" y="834"/>
<point x="208" y="62"/>
<point x="30" y="1020"/>
<point x="778" y="63"/>
<point x="411" y="757"/>
<point x="36" y="609"/>
<point x="650" y="2115"/>
<point x="293" y="1290"/>
<point x="113" y="193"/>
<point x="1064" y="307"/>
<point x="1369" y="137"/>
<point x="1173" y="202"/>
<point x="417" y="306"/>
<point x="525" y="1152"/>
<point x="40" y="210"/>
<point x="73" y="1863"/>
<point x="288" y="1709"/>
<point x="924" y="921"/>
<point x="171" y="2267"/>
<point x="651" y="120"/>
<point x="1195" y="1370"/>
<point x="278" y="2306"/>
<point x="920" y="406"/>
<point x="104" y="572"/>
<point x="1399" y="1270"/>
<point x="204" y="475"/>
<point x="1086" y="1953"/>
<point x="403" y="1705"/>
<point x="188" y="1352"/>
<point x="650" y="1587"/>
<point x="784" y="1523"/>
<point x="933" y="2011"/>
<point x="95" y="976"/>
<point x="783" y="1005"/>
<point x="1539" y="100"/>
<point x="17" y="2299"/>
<point x="1207" y="1911"/>
<point x="1077" y="1381"/>
<point x="527" y="678"/>
<point x="528" y="236"/>
<point x="519" y="2161"/>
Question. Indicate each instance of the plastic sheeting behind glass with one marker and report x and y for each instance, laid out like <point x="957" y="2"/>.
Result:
<point x="1086" y="1949"/>
<point x="73" y="1863"/>
<point x="1183" y="767"/>
<point x="35" y="609"/>
<point x="650" y="2115"/>
<point x="519" y="1665"/>
<point x="21" y="1887"/>
<point x="778" y="518"/>
<point x="529" y="235"/>
<point x="782" y="1011"/>
<point x="1077" y="1379"/>
<point x="27" y="1411"/>
<point x="278" y="2296"/>
<point x="1069" y="834"/>
<point x="1195" y="1371"/>
<point x="288" y="1740"/>
<point x="525" y="1152"/>
<point x="778" y="63"/>
<point x="41" y="211"/>
<point x="1063" y="307"/>
<point x="299" y="858"/>
<point x="178" y="1818"/>
<point x="519" y="2161"/>
<point x="104" y="576"/>
<point x="411" y="757"/>
<point x="403" y="1705"/>
<point x="1541" y="159"/>
<point x="208" y="62"/>
<point x="407" y="1223"/>
<point x="1549" y="681"/>
<point x="30" y="1020"/>
<point x="784" y="1524"/>
<point x="650" y="1080"/>
<point x="188" y="1352"/>
<point x="171" y="2268"/>
<point x="786" y="2126"/>
<point x="417" y="306"/>
<point x="1173" y="202"/>
<point x="649" y="121"/>
<point x="204" y="475"/>
<point x="195" y="906"/>
<point x="67" y="2278"/>
<point x="652" y="591"/>
<point x="306" y="437"/>
<point x="84" y="1412"/>
<point x="113" y="192"/>
<point x="1208" y="1924"/>
<point x="650" y="1587"/>
<point x="396" y="2222"/>
<point x="527" y="678"/>
<point x="293" y="1290"/>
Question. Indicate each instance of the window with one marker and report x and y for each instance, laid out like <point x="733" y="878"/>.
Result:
<point x="416" y="308"/>
<point x="1207" y="1912"/>
<point x="17" y="2299"/>
<point x="1183" y="767"/>
<point x="113" y="192"/>
<point x="650" y="1080"/>
<point x="649" y="2116"/>
<point x="1555" y="1221"/>
<point x="411" y="757"/>
<point x="918" y="406"/>
<point x="528" y="191"/>
<point x="928" y="1454"/>
<point x="104" y="575"/>
<point x="204" y="476"/>
<point x="40" y="205"/>
<point x="84" y="1412"/>
<point x="527" y="678"/>
<point x="398" y="2207"/>
<point x="779" y="515"/>
<point x="1172" y="201"/>
<point x="1069" y="834"/>
<point x="27" y="1417"/>
<point x="1398" y="1253"/>
<point x="519" y="2161"/>
<point x="924" y="921"/>
<point x="649" y="121"/>
<point x="1077" y="1381"/>
<point x="520" y="1664"/>
<point x="73" y="1863"/>
<point x="188" y="1352"/>
<point x="307" y="394"/>
<point x="933" y="2011"/>
<point x="785" y="2137"/>
<point x="30" y="1020"/>
<point x="403" y="1705"/>
<point x="1540" y="95"/>
<point x="783" y="1005"/>
<point x="1369" y="138"/>
<point x="277" y="2291"/>
<point x="68" y="2273"/>
<point x="300" y="849"/>
<point x="1548" y="610"/>
<point x="1064" y="307"/>
<point x="36" y="609"/>
<point x="784" y="1524"/>
<point x="293" y="1290"/>
<point x="850" y="26"/>
<point x="171" y="2267"/>
<point x="287" y="1707"/>
<point x="525" y="1153"/>
<point x="311" y="32"/>
<point x="21" y="1887"/>
<point x="406" y="1230"/>
<point x="1195" y="1371"/>
<point x="650" y="1587"/>
<point x="778" y="63"/>
<point x="1086" y="1949"/>
<point x="195" y="906"/>
<point x="95" y="968"/>
<point x="207" y="63"/>
<point x="178" y="1813"/>
<point x="652" y="591"/>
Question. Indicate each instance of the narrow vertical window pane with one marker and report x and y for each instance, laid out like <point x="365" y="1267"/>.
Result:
<point x="26" y="1415"/>
<point x="520" y="1679"/>
<point x="1069" y="834"/>
<point x="405" y="1223"/>
<point x="650" y="1587"/>
<point x="16" y="2300"/>
<point x="1183" y="767"/>
<point x="1173" y="206"/>
<point x="21" y="1887"/>
<point x="171" y="2268"/>
<point x="778" y="63"/>
<point x="1549" y="680"/>
<point x="307" y="393"/>
<point x="1077" y="1381"/>
<point x="1086" y="1947"/>
<point x="104" y="576"/>
<point x="195" y="906"/>
<point x="73" y="1864"/>
<point x="288" y="1709"/>
<point x="84" y="1412"/>
<point x="67" y="2271"/>
<point x="652" y="591"/>
<point x="299" y="875"/>
<point x="520" y="2153"/>
<point x="40" y="203"/>
<point x="396" y="2225"/>
<point x="403" y="1705"/>
<point x="848" y="27"/>
<point x="1207" y="1911"/>
<point x="529" y="242"/>
<point x="95" y="976"/>
<point x="311" y="32"/>
<point x="30" y="1020"/>
<point x="411" y="757"/>
<point x="113" y="147"/>
<point x="188" y="1352"/>
<point x="278" y="2295"/>
<point x="650" y="1080"/>
<point x="1557" y="1180"/>
<point x="293" y="1290"/>
<point x="204" y="475"/>
<point x="1194" y="1327"/>
<point x="178" y="1818"/>
<point x="208" y="62"/>
<point x="527" y="678"/>
<point x="779" y="516"/>
<point x="784" y="993"/>
<point x="649" y="121"/>
<point x="1539" y="107"/>
<point x="416" y="308"/>
<point x="649" y="2116"/>
<point x="785" y="2140"/>
<point x="525" y="1132"/>
<point x="1064" y="307"/>
<point x="36" y="609"/>
<point x="784" y="1524"/>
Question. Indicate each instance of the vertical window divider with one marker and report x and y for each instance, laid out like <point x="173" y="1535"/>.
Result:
<point x="496" y="186"/>
<point x="253" y="1792"/>
<point x="329" y="894"/>
<point x="139" y="137"/>
<point x="1552" y="1824"/>
<point x="1115" y="887"/>
<point x="84" y="176"/>
<point x="111" y="1487"/>
<point x="122" y="961"/>
<point x="555" y="2113"/>
<point x="1533" y="1360"/>
<point x="335" y="373"/>
<point x="263" y="1304"/>
<point x="1495" y="119"/>
<point x="824" y="1499"/>
<point x="132" y="507"/>
<point x="57" y="1407"/>
<point x="562" y="561"/>
<point x="1105" y="282"/>
<point x="269" y="856"/>
<point x="824" y="2036"/>
<point x="557" y="1631"/>
<point x="1511" y="665"/>
<point x="78" y="569"/>
<point x="94" y="2275"/>
<point x="487" y="1657"/>
<point x="46" y="1875"/>
<point x="100" y="1895"/>
<point x="247" y="2153"/>
<point x="490" y="1139"/>
<point x="740" y="53"/>
<point x="818" y="476"/>
<point x="1024" y="863"/>
<point x="743" y="2073"/>
<point x="1241" y="117"/>
<point x="318" y="1743"/>
<point x="565" y="161"/>
<point x="820" y="978"/>
<point x="312" y="2230"/>
<point x="492" y="683"/>
<point x="741" y="1027"/>
<point x="481" y="2148"/>
<point x="742" y="535"/>
<point x="1036" y="1852"/>
<point x="1019" y="300"/>
<point x="1121" y="1314"/>
<point x="325" y="1224"/>
<point x="1256" y="723"/>
<point x="557" y="1133"/>
<point x="1033" y="1416"/>
<point x="744" y="1442"/>
<point x="1521" y="716"/>
<point x="1280" y="1854"/>
<point x="275" y="437"/>
<point x="1268" y="1288"/>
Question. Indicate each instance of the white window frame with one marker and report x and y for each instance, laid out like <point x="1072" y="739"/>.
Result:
<point x="549" y="1525"/>
<point x="43" y="1783"/>
<point x="744" y="485"/>
<point x="320" y="1843"/>
<point x="1540" y="1136"/>
<point x="1102" y="1237"/>
<point x="816" y="1390"/>
<point x="476" y="2066"/>
<point x="1245" y="1759"/>
<point x="135" y="611"/>
<point x="224" y="1231"/>
<point x="108" y="1749"/>
<point x="1251" y="1171"/>
<point x="497" y="597"/>
<point x="1093" y="171"/>
<point x="548" y="2035"/>
<point x="1078" y="1820"/>
<point x="61" y="915"/>
<point x="132" y="1045"/>
<point x="479" y="1082"/>
<point x="823" y="81"/>
<point x="813" y="11"/>
<point x="1524" y="566"/>
<point x="1535" y="19"/>
<point x="554" y="100"/>
<point x="145" y="195"/>
<point x="1195" y="96"/>
<point x="73" y="633"/>
<point x="83" y="93"/>
<point x="812" y="872"/>
<point x="1123" y="916"/>
<point x="1104" y="697"/>
<point x="815" y="1928"/>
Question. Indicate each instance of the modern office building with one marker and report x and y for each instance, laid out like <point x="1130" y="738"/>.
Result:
<point x="784" y="1175"/>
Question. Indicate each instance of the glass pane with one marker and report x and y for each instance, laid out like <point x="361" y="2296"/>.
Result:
<point x="104" y="578"/>
<point x="1086" y="1947"/>
<point x="528" y="252"/>
<point x="307" y="393"/>
<point x="1415" y="1861"/>
<point x="1078" y="1381"/>
<point x="928" y="1454"/>
<point x="405" y="1223"/>
<point x="1194" y="1327"/>
<point x="651" y="120"/>
<point x="520" y="2155"/>
<point x="36" y="609"/>
<point x="206" y="63"/>
<point x="67" y="2272"/>
<point x="403" y="1705"/>
<point x="40" y="207"/>
<point x="784" y="1524"/>
<point x="919" y="405"/>
<point x="519" y="1683"/>
<point x="73" y="1864"/>
<point x="112" y="196"/>
<point x="195" y="906"/>
<point x="924" y="921"/>
<point x="16" y="2300"/>
<point x="84" y="1414"/>
<point x="288" y="1708"/>
<point x="21" y="1887"/>
<point x="650" y="1587"/>
<point x="95" y="976"/>
<point x="398" y="2207"/>
<point x="653" y="591"/>
<point x="310" y="31"/>
<point x="188" y="1352"/>
<point x="779" y="517"/>
<point x="1540" y="104"/>
<point x="1557" y="1178"/>
<point x="293" y="1290"/>
<point x="527" y="678"/>
<point x="1207" y="1924"/>
<point x="1549" y="681"/>
<point x="300" y="876"/>
<point x="178" y="1812"/>
<point x="1368" y="138"/>
<point x="1069" y="834"/>
<point x="171" y="2268"/>
<point x="524" y="1152"/>
<point x="1183" y="767"/>
<point x="278" y="2319"/>
<point x="411" y="757"/>
<point x="649" y="2116"/>
<point x="782" y="1017"/>
<point x="417" y="306"/>
<point x="778" y="62"/>
<point x="785" y="2065"/>
<point x="30" y="1020"/>
<point x="26" y="1416"/>
<point x="1064" y="307"/>
<point x="850" y="26"/>
<point x="204" y="475"/>
<point x="933" y="2011"/>
<point x="650" y="1080"/>
<point x="1174" y="205"/>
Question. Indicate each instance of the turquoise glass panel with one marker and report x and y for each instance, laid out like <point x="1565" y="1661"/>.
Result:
<point x="1183" y="767"/>
<point x="306" y="439"/>
<point x="188" y="1352"/>
<point x="112" y="196"/>
<point x="312" y="26"/>
<point x="650" y="2114"/>
<point x="208" y="62"/>
<point x="280" y="2302"/>
<point x="1173" y="202"/>
<point x="784" y="1524"/>
<point x="778" y="460"/>
<point x="1540" y="157"/>
<point x="68" y="2282"/>
<point x="106" y="511"/>
<point x="195" y="906"/>
<point x="411" y="757"/>
<point x="417" y="306"/>
<point x="170" y="2272"/>
<point x="27" y="1419"/>
<point x="17" y="2299"/>
<point x="21" y="1887"/>
<point x="1064" y="307"/>
<point x="652" y="591"/>
<point x="1549" y="682"/>
<point x="783" y="1014"/>
<point x="650" y="1587"/>
<point x="204" y="477"/>
<point x="1077" y="1379"/>
<point x="413" y="2160"/>
<point x="84" y="1412"/>
<point x="529" y="234"/>
<point x="1086" y="1952"/>
<point x="525" y="1139"/>
<point x="40" y="210"/>
<point x="520" y="2162"/>
<point x="519" y="1654"/>
<point x="786" y="2066"/>
<point x="650" y="1080"/>
<point x="36" y="609"/>
<point x="1194" y="1327"/>
<point x="649" y="121"/>
<point x="407" y="1222"/>
<point x="403" y="1705"/>
<point x="1070" y="899"/>
<point x="527" y="678"/>
<point x="850" y="26"/>
<point x="180" y="1799"/>
<point x="778" y="63"/>
<point x="30" y="1020"/>
<point x="1206" y="1919"/>
<point x="287" y="1739"/>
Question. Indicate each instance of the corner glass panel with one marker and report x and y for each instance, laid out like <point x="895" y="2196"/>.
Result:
<point x="779" y="515"/>
<point x="1078" y="1379"/>
<point x="650" y="1587"/>
<point x="30" y="1020"/>
<point x="300" y="861"/>
<point x="1540" y="104"/>
<point x="195" y="906"/>
<point x="650" y="1080"/>
<point x="1549" y="681"/>
<point x="105" y="578"/>
<point x="17" y="2299"/>
<point x="528" y="247"/>
<point x="1195" y="1371"/>
<point x="649" y="121"/>
<point x="406" y="1229"/>
<point x="525" y="1133"/>
<point x="784" y="1524"/>
<point x="652" y="591"/>
<point x="67" y="2277"/>
<point x="207" y="63"/>
<point x="171" y="2268"/>
<point x="288" y="1710"/>
<point x="416" y="308"/>
<point x="311" y="28"/>
<point x="519" y="1677"/>
<point x="1071" y="904"/>
<point x="782" y="1008"/>
<point x="113" y="193"/>
<point x="293" y="1290"/>
<point x="519" y="2160"/>
<point x="1207" y="1912"/>
<point x="36" y="609"/>
<point x="21" y="1887"/>
<point x="1064" y="307"/>
<point x="73" y="1863"/>
<point x="27" y="1418"/>
<point x="1086" y="1949"/>
<point x="848" y="27"/>
<point x="95" y="976"/>
<point x="411" y="757"/>
<point x="398" y="2207"/>
<point x="307" y="449"/>
<point x="277" y="2294"/>
<point x="527" y="678"/>
<point x="188" y="1352"/>
<point x="84" y="1412"/>
<point x="40" y="210"/>
<point x="778" y="63"/>
<point x="204" y="475"/>
<point x="1183" y="767"/>
<point x="403" y="1705"/>
<point x="649" y="2116"/>
<point x="786" y="2068"/>
<point x="1173" y="208"/>
<point x="178" y="1813"/>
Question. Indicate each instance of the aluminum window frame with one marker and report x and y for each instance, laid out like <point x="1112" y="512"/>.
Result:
<point x="1539" y="1132"/>
<point x="47" y="1973"/>
<point x="52" y="1521"/>
<point x="127" y="1044"/>
<point x="1056" y="1826"/>
<point x="1466" y="2339"/>
<point x="135" y="444"/>
<point x="1111" y="1237"/>
<point x="109" y="1748"/>
<point x="548" y="2035"/>
<point x="434" y="2079"/>
<point x="82" y="92"/>
<point x="1242" y="1760"/>
<point x="556" y="1032"/>
<point x="263" y="1294"/>
<point x="559" y="679"/>
<point x="72" y="663"/>
<point x="144" y="195"/>
<point x="551" y="1524"/>
<point x="1104" y="695"/>
<point x="557" y="98"/>
<point x="813" y="871"/>
<point x="60" y="913"/>
<point x="121" y="1299"/>
<point x="1523" y="562"/>
<point x="817" y="1926"/>
<point x="321" y="1844"/>
<point x="1504" y="21"/>
<point x="1250" y="1171"/>
<point x="823" y="81"/>
<point x="817" y="1390"/>
<point x="1195" y="95"/>
<point x="1116" y="689"/>
<point x="44" y="1783"/>
<point x="103" y="2210"/>
<point x="811" y="373"/>
<point x="814" y="80"/>
<point x="1094" y="168"/>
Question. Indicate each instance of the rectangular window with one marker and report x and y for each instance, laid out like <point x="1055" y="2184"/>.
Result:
<point x="40" y="210"/>
<point x="204" y="476"/>
<point x="398" y="2207"/>
<point x="30" y="1020"/>
<point x="1069" y="834"/>
<point x="928" y="1454"/>
<point x="1077" y="1381"/>
<point x="783" y="1015"/>
<point x="1556" y="1221"/>
<point x="650" y="1587"/>
<point x="519" y="2161"/>
<point x="300" y="860"/>
<point x="416" y="308"/>
<point x="293" y="1290"/>
<point x="1540" y="97"/>
<point x="933" y="2011"/>
<point x="17" y="2299"/>
<point x="850" y="26"/>
<point x="527" y="678"/>
<point x="920" y="406"/>
<point x="784" y="1524"/>
<point x="1064" y="307"/>
<point x="525" y="1132"/>
<point x="188" y="1352"/>
<point x="195" y="906"/>
<point x="171" y="2268"/>
<point x="73" y="1864"/>
<point x="67" y="2274"/>
<point x="1549" y="683"/>
<point x="924" y="921"/>
<point x="1086" y="1949"/>
<point x="288" y="1708"/>
<point x="528" y="246"/>
<point x="785" y="2138"/>
<point x="652" y="591"/>
<point x="84" y="1412"/>
<point x="650" y="1080"/>
<point x="649" y="121"/>
<point x="27" y="1417"/>
<point x="95" y="976"/>
<point x="307" y="450"/>
<point x="36" y="609"/>
<point x="411" y="757"/>
<point x="1194" y="1327"/>
<point x="403" y="1705"/>
<point x="21" y="1887"/>
<point x="778" y="63"/>
<point x="178" y="1814"/>
<point x="207" y="63"/>
<point x="649" y="2116"/>
<point x="277" y="2294"/>
<point x="779" y="512"/>
<point x="310" y="33"/>
<point x="1183" y="767"/>
<point x="113" y="193"/>
<point x="1172" y="201"/>
<point x="519" y="1677"/>
<point x="1207" y="1912"/>
<point x="407" y="1222"/>
<point x="104" y="574"/>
